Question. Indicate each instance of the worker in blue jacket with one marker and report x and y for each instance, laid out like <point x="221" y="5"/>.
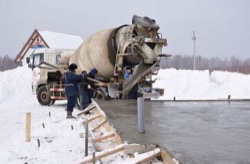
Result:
<point x="86" y="93"/>
<point x="71" y="88"/>
<point x="133" y="93"/>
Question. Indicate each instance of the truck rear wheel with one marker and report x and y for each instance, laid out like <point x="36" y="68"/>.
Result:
<point x="101" y="94"/>
<point x="43" y="96"/>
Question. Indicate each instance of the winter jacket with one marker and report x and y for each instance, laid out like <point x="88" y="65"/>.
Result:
<point x="71" y="84"/>
<point x="127" y="75"/>
<point x="92" y="74"/>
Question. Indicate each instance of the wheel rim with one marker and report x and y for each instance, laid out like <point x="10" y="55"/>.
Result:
<point x="44" y="96"/>
<point x="99" y="96"/>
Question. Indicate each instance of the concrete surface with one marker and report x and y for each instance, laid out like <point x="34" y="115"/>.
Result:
<point x="193" y="132"/>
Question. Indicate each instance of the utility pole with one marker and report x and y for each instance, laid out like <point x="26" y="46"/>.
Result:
<point x="194" y="39"/>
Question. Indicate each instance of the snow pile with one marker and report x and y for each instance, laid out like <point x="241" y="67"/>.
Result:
<point x="15" y="85"/>
<point x="198" y="85"/>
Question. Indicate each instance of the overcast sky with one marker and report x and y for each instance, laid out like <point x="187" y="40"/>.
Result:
<point x="222" y="26"/>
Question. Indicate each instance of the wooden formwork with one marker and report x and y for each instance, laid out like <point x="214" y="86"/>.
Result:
<point x="96" y="114"/>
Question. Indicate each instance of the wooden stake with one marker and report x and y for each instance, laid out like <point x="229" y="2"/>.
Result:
<point x="28" y="127"/>
<point x="93" y="155"/>
<point x="86" y="138"/>
<point x="38" y="143"/>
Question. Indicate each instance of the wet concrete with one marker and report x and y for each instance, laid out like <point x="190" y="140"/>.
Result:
<point x="193" y="132"/>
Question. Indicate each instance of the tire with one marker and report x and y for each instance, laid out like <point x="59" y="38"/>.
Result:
<point x="102" y="94"/>
<point x="43" y="96"/>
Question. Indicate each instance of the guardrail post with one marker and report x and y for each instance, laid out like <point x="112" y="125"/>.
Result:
<point x="140" y="106"/>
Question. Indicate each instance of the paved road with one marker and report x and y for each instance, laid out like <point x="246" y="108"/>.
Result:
<point x="193" y="132"/>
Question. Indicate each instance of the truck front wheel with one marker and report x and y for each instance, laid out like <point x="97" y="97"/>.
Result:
<point x="43" y="96"/>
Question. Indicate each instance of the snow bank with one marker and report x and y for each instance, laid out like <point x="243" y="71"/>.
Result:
<point x="188" y="84"/>
<point x="15" y="85"/>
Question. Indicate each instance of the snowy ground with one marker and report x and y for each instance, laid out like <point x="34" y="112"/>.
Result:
<point x="200" y="85"/>
<point x="58" y="142"/>
<point x="61" y="144"/>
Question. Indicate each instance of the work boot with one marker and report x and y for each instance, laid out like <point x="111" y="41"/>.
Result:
<point x="69" y="115"/>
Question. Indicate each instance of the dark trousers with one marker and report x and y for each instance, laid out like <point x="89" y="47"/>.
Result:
<point x="71" y="103"/>
<point x="133" y="93"/>
<point x="85" y="98"/>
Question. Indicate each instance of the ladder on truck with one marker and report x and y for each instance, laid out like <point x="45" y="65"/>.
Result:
<point x="57" y="92"/>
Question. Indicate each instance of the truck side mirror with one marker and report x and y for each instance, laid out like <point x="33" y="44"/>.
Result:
<point x="27" y="60"/>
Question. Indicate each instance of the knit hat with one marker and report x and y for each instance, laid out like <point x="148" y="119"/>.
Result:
<point x="72" y="67"/>
<point x="93" y="71"/>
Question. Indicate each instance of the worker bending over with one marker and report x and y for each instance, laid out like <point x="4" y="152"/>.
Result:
<point x="87" y="88"/>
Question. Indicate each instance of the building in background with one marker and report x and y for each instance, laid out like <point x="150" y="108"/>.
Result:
<point x="47" y="39"/>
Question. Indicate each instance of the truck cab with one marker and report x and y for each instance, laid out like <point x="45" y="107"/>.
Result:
<point x="47" y="73"/>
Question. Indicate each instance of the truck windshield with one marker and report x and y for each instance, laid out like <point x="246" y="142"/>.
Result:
<point x="58" y="59"/>
<point x="37" y="58"/>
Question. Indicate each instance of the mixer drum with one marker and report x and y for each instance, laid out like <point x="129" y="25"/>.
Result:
<point x="98" y="52"/>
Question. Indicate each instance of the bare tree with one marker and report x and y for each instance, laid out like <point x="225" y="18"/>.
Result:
<point x="7" y="63"/>
<point x="233" y="64"/>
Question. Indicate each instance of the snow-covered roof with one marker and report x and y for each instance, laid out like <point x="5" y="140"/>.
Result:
<point x="40" y="38"/>
<point x="59" y="40"/>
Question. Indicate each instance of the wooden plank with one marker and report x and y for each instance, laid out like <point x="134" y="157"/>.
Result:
<point x="57" y="89"/>
<point x="28" y="127"/>
<point x="117" y="138"/>
<point x="94" y="117"/>
<point x="132" y="148"/>
<point x="104" y="137"/>
<point x="97" y="82"/>
<point x="102" y="154"/>
<point x="152" y="156"/>
<point x="166" y="157"/>
<point x="86" y="110"/>
<point x="99" y="125"/>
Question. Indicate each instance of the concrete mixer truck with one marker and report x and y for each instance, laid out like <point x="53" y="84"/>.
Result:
<point x="138" y="45"/>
